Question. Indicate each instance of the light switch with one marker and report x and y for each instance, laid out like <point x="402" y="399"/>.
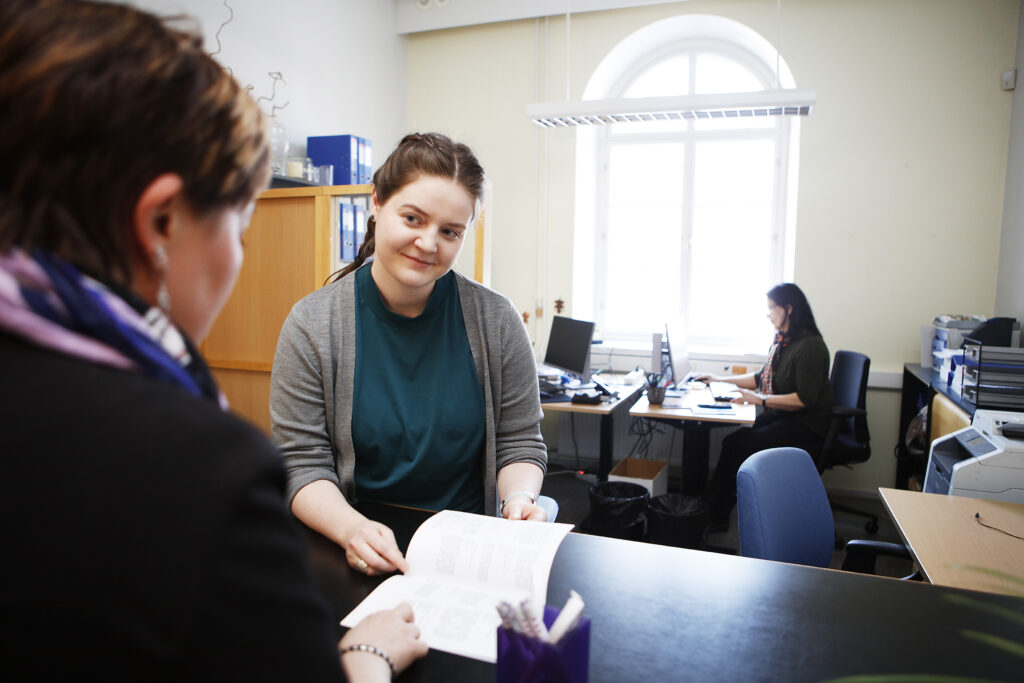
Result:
<point x="1009" y="80"/>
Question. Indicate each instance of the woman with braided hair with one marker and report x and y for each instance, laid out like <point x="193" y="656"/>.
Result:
<point x="402" y="381"/>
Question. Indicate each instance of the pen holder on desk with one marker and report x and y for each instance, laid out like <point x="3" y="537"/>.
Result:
<point x="523" y="659"/>
<point x="655" y="394"/>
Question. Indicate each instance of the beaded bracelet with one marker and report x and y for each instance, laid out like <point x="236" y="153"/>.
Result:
<point x="372" y="649"/>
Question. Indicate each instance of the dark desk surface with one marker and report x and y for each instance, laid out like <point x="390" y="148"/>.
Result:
<point x="670" y="614"/>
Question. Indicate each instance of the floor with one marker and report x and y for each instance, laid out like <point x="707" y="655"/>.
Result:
<point x="570" y="491"/>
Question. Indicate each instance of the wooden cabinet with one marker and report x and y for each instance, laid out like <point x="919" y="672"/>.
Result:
<point x="291" y="248"/>
<point x="288" y="254"/>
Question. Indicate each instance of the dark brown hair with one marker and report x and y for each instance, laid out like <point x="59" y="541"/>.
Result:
<point x="98" y="100"/>
<point x="419" y="154"/>
<point x="801" y="318"/>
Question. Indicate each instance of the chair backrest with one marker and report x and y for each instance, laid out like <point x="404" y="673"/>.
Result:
<point x="783" y="509"/>
<point x="849" y="381"/>
<point x="550" y="506"/>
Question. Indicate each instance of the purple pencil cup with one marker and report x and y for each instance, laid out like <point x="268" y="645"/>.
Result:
<point x="522" y="659"/>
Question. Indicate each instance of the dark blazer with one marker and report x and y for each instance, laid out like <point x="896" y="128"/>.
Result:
<point x="144" y="535"/>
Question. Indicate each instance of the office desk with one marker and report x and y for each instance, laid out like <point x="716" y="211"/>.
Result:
<point x="627" y="395"/>
<point x="669" y="614"/>
<point x="951" y="548"/>
<point x="684" y="412"/>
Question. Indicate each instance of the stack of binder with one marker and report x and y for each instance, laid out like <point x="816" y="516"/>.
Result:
<point x="994" y="376"/>
<point x="348" y="228"/>
<point x="351" y="156"/>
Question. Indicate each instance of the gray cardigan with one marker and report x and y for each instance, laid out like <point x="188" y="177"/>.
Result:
<point x="314" y="368"/>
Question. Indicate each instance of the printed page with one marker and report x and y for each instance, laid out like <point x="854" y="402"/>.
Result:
<point x="461" y="566"/>
<point x="498" y="553"/>
<point x="455" y="618"/>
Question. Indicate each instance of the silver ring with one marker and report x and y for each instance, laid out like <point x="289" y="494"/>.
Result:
<point x="361" y="565"/>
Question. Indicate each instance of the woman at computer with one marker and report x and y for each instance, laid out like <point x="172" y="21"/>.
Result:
<point x="792" y="388"/>
<point x="403" y="381"/>
<point x="144" y="529"/>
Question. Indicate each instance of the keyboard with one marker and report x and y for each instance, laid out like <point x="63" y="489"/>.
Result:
<point x="548" y="371"/>
<point x="547" y="387"/>
<point x="723" y="391"/>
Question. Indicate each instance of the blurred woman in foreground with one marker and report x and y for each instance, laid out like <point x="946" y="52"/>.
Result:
<point x="145" y="533"/>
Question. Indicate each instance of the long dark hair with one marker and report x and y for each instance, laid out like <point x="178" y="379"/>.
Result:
<point x="97" y="100"/>
<point x="801" y="319"/>
<point x="418" y="154"/>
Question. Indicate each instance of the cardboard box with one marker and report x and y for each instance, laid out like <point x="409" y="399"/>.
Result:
<point x="651" y="474"/>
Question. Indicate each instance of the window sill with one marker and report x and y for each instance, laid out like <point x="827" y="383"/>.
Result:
<point x="624" y="356"/>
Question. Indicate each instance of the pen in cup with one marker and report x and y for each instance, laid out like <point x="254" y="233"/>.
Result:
<point x="508" y="616"/>
<point x="532" y="624"/>
<point x="567" y="618"/>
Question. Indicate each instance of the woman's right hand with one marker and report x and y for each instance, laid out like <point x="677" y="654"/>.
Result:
<point x="392" y="631"/>
<point x="370" y="548"/>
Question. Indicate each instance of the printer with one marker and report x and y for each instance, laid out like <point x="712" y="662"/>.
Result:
<point x="985" y="460"/>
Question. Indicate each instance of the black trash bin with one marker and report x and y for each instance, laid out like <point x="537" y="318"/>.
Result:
<point x="617" y="509"/>
<point x="678" y="520"/>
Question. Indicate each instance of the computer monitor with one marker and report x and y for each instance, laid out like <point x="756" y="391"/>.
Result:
<point x="676" y="368"/>
<point x="569" y="346"/>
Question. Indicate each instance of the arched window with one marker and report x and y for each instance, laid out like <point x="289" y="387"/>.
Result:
<point x="685" y="222"/>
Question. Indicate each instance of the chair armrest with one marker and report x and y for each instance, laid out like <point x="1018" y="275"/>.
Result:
<point x="861" y="555"/>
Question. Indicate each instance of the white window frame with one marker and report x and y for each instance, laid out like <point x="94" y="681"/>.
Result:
<point x="690" y="34"/>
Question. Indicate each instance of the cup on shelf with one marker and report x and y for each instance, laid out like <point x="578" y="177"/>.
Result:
<point x="325" y="174"/>
<point x="295" y="167"/>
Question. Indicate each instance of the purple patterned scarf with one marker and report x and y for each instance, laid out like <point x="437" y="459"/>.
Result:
<point x="50" y="304"/>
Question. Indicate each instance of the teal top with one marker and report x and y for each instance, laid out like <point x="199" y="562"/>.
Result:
<point x="418" y="409"/>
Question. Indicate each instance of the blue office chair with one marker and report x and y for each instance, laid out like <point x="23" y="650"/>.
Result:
<point x="784" y="514"/>
<point x="550" y="506"/>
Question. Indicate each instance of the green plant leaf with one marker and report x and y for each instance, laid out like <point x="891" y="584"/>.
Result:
<point x="995" y="573"/>
<point x="1016" y="649"/>
<point x="996" y="610"/>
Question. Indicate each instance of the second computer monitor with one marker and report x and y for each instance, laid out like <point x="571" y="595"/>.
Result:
<point x="569" y="345"/>
<point x="675" y="368"/>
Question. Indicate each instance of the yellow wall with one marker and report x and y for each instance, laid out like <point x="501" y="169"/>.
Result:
<point x="901" y="167"/>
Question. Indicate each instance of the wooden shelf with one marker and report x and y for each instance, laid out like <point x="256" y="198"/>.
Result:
<point x="287" y="256"/>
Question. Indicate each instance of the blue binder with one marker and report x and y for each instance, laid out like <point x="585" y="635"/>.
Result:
<point x="340" y="150"/>
<point x="365" y="162"/>
<point x="360" y="221"/>
<point x="348" y="233"/>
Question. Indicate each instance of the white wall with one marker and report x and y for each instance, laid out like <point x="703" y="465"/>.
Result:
<point x="343" y="63"/>
<point x="1010" y="286"/>
<point x="902" y="167"/>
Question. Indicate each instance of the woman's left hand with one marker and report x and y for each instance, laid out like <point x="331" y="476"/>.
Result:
<point x="520" y="507"/>
<point x="747" y="396"/>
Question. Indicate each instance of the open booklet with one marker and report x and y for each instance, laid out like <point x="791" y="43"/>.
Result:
<point x="460" y="566"/>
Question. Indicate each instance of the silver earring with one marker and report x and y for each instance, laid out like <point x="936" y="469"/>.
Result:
<point x="163" y="297"/>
